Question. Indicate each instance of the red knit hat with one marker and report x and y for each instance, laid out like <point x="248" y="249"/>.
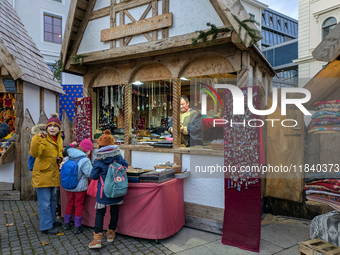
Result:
<point x="53" y="121"/>
<point x="87" y="145"/>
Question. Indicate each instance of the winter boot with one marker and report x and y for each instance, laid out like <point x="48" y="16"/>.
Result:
<point x="77" y="224"/>
<point x="97" y="241"/>
<point x="110" y="235"/>
<point x="67" y="222"/>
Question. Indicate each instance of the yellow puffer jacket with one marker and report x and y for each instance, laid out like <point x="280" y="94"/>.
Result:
<point x="46" y="169"/>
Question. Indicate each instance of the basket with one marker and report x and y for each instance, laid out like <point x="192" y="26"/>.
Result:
<point x="178" y="169"/>
<point x="217" y="146"/>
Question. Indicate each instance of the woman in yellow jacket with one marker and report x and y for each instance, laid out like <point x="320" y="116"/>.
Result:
<point x="47" y="149"/>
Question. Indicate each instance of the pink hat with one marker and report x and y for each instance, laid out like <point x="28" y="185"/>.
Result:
<point x="87" y="145"/>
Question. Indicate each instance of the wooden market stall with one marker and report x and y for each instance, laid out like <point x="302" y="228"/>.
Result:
<point x="137" y="60"/>
<point x="26" y="85"/>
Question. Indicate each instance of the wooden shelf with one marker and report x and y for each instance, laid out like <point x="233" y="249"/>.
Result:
<point x="8" y="156"/>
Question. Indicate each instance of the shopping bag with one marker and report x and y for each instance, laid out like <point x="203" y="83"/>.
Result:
<point x="92" y="189"/>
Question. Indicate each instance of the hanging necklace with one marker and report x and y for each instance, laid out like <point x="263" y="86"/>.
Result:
<point x="159" y="93"/>
<point x="170" y="107"/>
<point x="142" y="100"/>
<point x="147" y="95"/>
<point x="164" y="101"/>
<point x="154" y="95"/>
<point x="138" y="99"/>
<point x="195" y="98"/>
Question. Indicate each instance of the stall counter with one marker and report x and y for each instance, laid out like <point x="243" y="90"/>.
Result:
<point x="150" y="210"/>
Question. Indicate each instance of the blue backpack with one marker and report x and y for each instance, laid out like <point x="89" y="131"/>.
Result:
<point x="116" y="182"/>
<point x="69" y="173"/>
<point x="31" y="161"/>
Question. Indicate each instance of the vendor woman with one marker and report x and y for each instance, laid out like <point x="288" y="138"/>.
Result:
<point x="191" y="124"/>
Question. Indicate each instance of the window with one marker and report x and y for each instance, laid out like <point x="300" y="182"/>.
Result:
<point x="271" y="19"/>
<point x="279" y="22"/>
<point x="327" y="26"/>
<point x="52" y="28"/>
<point x="286" y="25"/>
<point x="252" y="16"/>
<point x="57" y="1"/>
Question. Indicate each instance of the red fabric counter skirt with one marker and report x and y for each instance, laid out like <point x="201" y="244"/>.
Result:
<point x="150" y="210"/>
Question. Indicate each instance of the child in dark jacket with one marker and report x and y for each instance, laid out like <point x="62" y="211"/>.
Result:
<point x="107" y="153"/>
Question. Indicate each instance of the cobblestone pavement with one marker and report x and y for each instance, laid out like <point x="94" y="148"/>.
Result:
<point x="20" y="234"/>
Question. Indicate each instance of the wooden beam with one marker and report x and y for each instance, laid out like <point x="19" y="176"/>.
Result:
<point x="329" y="48"/>
<point x="4" y="71"/>
<point x="57" y="103"/>
<point x="81" y="30"/>
<point x="17" y="167"/>
<point x="42" y="99"/>
<point x="13" y="195"/>
<point x="163" y="46"/>
<point x="256" y="75"/>
<point x="101" y="13"/>
<point x="121" y="22"/>
<point x="113" y="20"/>
<point x="154" y="13"/>
<point x="19" y="109"/>
<point x="226" y="9"/>
<point x="10" y="61"/>
<point x="6" y="186"/>
<point x="165" y="9"/>
<point x="127" y="156"/>
<point x="68" y="29"/>
<point x="131" y="4"/>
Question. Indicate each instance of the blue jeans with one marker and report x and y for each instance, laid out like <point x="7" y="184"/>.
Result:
<point x="47" y="205"/>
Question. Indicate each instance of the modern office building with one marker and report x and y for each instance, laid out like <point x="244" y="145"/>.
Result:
<point x="280" y="46"/>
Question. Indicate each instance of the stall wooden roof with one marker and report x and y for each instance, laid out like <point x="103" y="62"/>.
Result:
<point x="81" y="12"/>
<point x="19" y="54"/>
<point x="326" y="84"/>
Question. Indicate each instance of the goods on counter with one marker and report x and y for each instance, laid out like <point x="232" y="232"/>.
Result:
<point x="217" y="144"/>
<point x="327" y="118"/>
<point x="134" y="173"/>
<point x="157" y="176"/>
<point x="168" y="165"/>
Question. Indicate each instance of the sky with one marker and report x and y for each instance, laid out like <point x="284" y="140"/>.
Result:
<point x="287" y="7"/>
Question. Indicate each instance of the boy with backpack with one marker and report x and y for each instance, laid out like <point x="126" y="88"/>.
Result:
<point x="73" y="175"/>
<point x="108" y="154"/>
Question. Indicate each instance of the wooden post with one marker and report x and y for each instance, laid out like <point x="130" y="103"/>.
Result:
<point x="66" y="126"/>
<point x="176" y="98"/>
<point x="42" y="100"/>
<point x="127" y="156"/>
<point x="27" y="190"/>
<point x="121" y="22"/>
<point x="256" y="75"/>
<point x="57" y="104"/>
<point x="19" y="104"/>
<point x="127" y="112"/>
<point x="243" y="75"/>
<point x="165" y="9"/>
<point x="113" y="21"/>
<point x="43" y="118"/>
<point x="154" y="13"/>
<point x="177" y="158"/>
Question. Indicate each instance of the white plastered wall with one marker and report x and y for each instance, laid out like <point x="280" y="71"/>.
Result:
<point x="147" y="160"/>
<point x="188" y="17"/>
<point x="32" y="100"/>
<point x="70" y="79"/>
<point x="49" y="103"/>
<point x="204" y="191"/>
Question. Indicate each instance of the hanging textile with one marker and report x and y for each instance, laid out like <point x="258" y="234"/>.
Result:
<point x="83" y="119"/>
<point x="242" y="215"/>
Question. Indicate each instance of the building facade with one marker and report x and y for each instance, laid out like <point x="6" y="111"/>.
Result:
<point x="277" y="28"/>
<point x="45" y="23"/>
<point x="316" y="19"/>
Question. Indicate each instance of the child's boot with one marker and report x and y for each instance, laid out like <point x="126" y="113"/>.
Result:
<point x="97" y="241"/>
<point x="77" y="224"/>
<point x="110" y="235"/>
<point x="67" y="222"/>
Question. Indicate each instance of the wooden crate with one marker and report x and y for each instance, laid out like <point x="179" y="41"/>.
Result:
<point x="318" y="247"/>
